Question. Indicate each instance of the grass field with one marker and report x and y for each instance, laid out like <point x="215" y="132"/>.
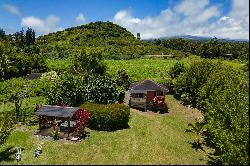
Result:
<point x="151" y="139"/>
<point x="138" y="69"/>
<point x="155" y="69"/>
<point x="141" y="69"/>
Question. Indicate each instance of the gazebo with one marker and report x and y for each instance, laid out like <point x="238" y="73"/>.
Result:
<point x="56" y="115"/>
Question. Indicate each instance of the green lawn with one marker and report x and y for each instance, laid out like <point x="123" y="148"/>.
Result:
<point x="151" y="139"/>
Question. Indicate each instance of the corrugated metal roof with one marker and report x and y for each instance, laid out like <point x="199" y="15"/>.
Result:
<point x="56" y="111"/>
<point x="147" y="85"/>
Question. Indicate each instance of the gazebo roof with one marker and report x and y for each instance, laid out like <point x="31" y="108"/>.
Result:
<point x="56" y="111"/>
<point x="147" y="85"/>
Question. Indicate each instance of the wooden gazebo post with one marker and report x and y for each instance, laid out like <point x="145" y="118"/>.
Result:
<point x="68" y="125"/>
<point x="40" y="119"/>
<point x="54" y="124"/>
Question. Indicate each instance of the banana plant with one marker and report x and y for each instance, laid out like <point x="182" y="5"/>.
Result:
<point x="198" y="128"/>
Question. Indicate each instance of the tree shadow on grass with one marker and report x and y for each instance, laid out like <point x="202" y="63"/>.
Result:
<point x="212" y="156"/>
<point x="8" y="154"/>
<point x="212" y="160"/>
<point x="156" y="111"/>
<point x="196" y="146"/>
<point x="110" y="129"/>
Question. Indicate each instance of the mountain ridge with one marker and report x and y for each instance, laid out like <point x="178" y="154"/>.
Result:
<point x="199" y="38"/>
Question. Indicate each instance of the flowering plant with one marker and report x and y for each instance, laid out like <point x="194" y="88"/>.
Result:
<point x="56" y="133"/>
<point x="82" y="118"/>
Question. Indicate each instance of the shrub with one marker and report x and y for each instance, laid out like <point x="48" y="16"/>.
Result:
<point x="67" y="89"/>
<point x="16" y="62"/>
<point x="169" y="84"/>
<point x="224" y="100"/>
<point x="121" y="94"/>
<point x="176" y="70"/>
<point x="107" y="117"/>
<point x="27" y="110"/>
<point x="221" y="93"/>
<point x="49" y="76"/>
<point x="101" y="89"/>
<point x="122" y="79"/>
<point x="89" y="61"/>
<point x="7" y="121"/>
<point x="10" y="88"/>
<point x="74" y="90"/>
<point x="187" y="85"/>
<point x="82" y="118"/>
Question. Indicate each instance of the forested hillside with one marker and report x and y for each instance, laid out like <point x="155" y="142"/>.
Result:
<point x="112" y="38"/>
<point x="213" y="48"/>
<point x="118" y="43"/>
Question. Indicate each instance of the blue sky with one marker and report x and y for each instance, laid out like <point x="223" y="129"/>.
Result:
<point x="152" y="18"/>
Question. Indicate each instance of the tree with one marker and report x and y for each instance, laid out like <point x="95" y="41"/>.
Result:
<point x="89" y="61"/>
<point x="19" y="39"/>
<point x="7" y="121"/>
<point x="66" y="89"/>
<point x="2" y="34"/>
<point x="30" y="36"/>
<point x="221" y="92"/>
<point x="122" y="79"/>
<point x="17" y="62"/>
<point x="102" y="89"/>
<point x="176" y="70"/>
<point x="4" y="62"/>
<point x="17" y="99"/>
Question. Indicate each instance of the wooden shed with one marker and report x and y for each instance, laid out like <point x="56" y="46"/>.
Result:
<point x="144" y="93"/>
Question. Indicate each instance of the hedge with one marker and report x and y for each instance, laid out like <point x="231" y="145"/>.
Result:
<point x="108" y="117"/>
<point x="220" y="91"/>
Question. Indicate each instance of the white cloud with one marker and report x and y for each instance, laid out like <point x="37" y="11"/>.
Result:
<point x="236" y="24"/>
<point x="12" y="9"/>
<point x="190" y="17"/>
<point x="80" y="19"/>
<point x="50" y="24"/>
<point x="191" y="7"/>
<point x="240" y="8"/>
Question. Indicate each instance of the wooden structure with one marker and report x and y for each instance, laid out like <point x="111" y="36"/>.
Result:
<point x="33" y="76"/>
<point x="55" y="116"/>
<point x="147" y="92"/>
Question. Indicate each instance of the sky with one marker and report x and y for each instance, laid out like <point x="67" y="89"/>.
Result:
<point x="151" y="18"/>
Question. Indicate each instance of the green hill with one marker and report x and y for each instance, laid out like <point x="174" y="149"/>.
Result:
<point x="112" y="38"/>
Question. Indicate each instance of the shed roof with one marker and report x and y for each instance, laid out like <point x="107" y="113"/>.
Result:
<point x="147" y="85"/>
<point x="56" y="111"/>
<point x="33" y="76"/>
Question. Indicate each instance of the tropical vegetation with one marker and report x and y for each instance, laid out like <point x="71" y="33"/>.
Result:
<point x="93" y="65"/>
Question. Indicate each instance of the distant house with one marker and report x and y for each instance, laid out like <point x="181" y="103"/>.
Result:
<point x="33" y="76"/>
<point x="146" y="92"/>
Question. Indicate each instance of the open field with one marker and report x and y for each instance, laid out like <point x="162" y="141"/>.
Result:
<point x="155" y="69"/>
<point x="151" y="139"/>
<point x="141" y="69"/>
